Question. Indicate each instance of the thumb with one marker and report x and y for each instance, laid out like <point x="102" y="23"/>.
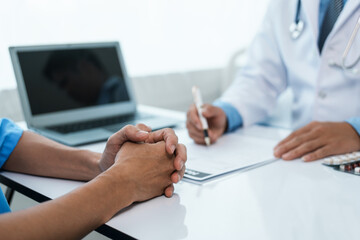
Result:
<point x="128" y="133"/>
<point x="115" y="141"/>
<point x="209" y="111"/>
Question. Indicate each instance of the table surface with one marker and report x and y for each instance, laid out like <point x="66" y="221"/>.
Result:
<point x="281" y="200"/>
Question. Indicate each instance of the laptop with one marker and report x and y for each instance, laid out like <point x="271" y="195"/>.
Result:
<point x="77" y="93"/>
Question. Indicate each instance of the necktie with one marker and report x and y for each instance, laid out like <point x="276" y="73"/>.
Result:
<point x="331" y="14"/>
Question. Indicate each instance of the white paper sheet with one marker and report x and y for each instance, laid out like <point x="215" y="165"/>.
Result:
<point x="231" y="152"/>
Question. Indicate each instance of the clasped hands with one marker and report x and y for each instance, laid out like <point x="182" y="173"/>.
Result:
<point x="149" y="159"/>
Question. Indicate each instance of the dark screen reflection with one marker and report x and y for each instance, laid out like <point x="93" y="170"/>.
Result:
<point x="76" y="78"/>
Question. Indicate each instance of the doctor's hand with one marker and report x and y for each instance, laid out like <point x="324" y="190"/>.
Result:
<point x="215" y="117"/>
<point x="318" y="140"/>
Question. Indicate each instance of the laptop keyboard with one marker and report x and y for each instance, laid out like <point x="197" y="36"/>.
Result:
<point x="74" y="127"/>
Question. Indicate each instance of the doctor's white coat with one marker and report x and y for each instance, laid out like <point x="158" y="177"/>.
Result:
<point x="276" y="61"/>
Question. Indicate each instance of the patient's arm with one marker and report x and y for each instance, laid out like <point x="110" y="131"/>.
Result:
<point x="38" y="155"/>
<point x="140" y="172"/>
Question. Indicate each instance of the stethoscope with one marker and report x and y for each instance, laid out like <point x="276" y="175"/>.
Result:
<point x="297" y="27"/>
<point x="348" y="67"/>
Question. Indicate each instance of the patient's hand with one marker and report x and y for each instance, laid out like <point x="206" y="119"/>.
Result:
<point x="146" y="167"/>
<point x="115" y="142"/>
<point x="318" y="140"/>
<point x="142" y="133"/>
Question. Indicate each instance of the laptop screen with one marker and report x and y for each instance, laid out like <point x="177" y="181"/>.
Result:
<point x="59" y="80"/>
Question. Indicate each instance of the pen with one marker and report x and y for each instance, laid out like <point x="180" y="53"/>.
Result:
<point x="198" y="103"/>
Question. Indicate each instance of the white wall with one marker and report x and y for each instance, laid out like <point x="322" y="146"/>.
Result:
<point x="157" y="36"/>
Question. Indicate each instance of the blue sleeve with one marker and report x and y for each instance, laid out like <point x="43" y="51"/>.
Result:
<point x="10" y="134"/>
<point x="234" y="119"/>
<point x="355" y="123"/>
<point x="4" y="206"/>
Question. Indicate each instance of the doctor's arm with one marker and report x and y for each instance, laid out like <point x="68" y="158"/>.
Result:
<point x="320" y="139"/>
<point x="253" y="94"/>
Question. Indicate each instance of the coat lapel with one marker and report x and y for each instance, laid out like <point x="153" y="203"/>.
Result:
<point x="310" y="9"/>
<point x="349" y="9"/>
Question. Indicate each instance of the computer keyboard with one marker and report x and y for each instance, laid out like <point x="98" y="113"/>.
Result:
<point x="74" y="127"/>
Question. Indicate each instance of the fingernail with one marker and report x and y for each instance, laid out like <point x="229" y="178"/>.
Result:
<point x="276" y="151"/>
<point x="177" y="179"/>
<point x="306" y="158"/>
<point x="198" y="126"/>
<point x="181" y="165"/>
<point x="141" y="133"/>
<point x="286" y="155"/>
<point x="172" y="148"/>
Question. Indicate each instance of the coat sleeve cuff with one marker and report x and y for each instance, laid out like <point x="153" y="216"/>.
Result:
<point x="234" y="119"/>
<point x="355" y="123"/>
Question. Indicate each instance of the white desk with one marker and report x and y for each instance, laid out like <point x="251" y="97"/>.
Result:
<point x="282" y="200"/>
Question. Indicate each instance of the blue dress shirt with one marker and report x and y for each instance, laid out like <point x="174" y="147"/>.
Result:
<point x="9" y="137"/>
<point x="234" y="119"/>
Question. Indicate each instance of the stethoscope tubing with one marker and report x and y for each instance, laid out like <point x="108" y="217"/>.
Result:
<point x="296" y="29"/>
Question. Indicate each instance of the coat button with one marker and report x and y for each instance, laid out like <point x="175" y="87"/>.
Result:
<point x="322" y="94"/>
